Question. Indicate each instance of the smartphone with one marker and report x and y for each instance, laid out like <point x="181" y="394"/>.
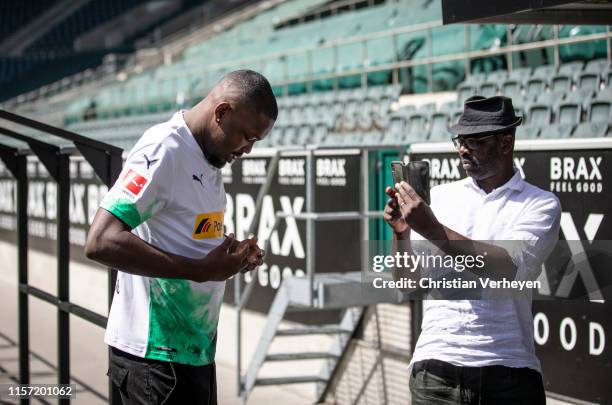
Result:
<point x="415" y="173"/>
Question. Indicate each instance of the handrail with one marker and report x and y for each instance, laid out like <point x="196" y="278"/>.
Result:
<point x="106" y="162"/>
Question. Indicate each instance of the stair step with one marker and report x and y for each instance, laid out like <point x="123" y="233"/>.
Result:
<point x="312" y="330"/>
<point x="300" y="356"/>
<point x="289" y="380"/>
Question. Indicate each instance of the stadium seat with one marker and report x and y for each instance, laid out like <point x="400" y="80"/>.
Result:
<point x="427" y="108"/>
<point x="521" y="75"/>
<point x="497" y="76"/>
<point x="591" y="130"/>
<point x="540" y="115"/>
<point x="571" y="69"/>
<point x="544" y="72"/>
<point x="550" y="98"/>
<point x="569" y="113"/>
<point x="464" y="91"/>
<point x="304" y="135"/>
<point x="534" y="87"/>
<point x="416" y="128"/>
<point x="511" y="88"/>
<point x="372" y="138"/>
<point x="527" y="132"/>
<point x="488" y="89"/>
<point x="289" y="136"/>
<point x="475" y="79"/>
<point x="448" y="106"/>
<point x="320" y="133"/>
<point x="580" y="96"/>
<point x="600" y="111"/>
<point x="397" y="125"/>
<point x="561" y="82"/>
<point x="438" y="130"/>
<point x="588" y="81"/>
<point x="597" y="66"/>
<point x="555" y="131"/>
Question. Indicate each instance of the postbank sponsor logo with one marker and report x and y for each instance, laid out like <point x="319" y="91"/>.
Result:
<point x="208" y="226"/>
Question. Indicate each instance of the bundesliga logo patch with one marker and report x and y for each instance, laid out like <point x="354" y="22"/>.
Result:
<point x="134" y="182"/>
<point x="208" y="226"/>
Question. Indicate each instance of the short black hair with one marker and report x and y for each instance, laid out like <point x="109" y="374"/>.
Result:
<point x="255" y="90"/>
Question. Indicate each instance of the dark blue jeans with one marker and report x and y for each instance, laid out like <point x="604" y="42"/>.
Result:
<point x="438" y="382"/>
<point x="143" y="381"/>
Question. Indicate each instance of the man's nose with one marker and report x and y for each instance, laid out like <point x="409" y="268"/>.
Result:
<point x="247" y="149"/>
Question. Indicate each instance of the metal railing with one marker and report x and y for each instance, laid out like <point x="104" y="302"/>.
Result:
<point x="311" y="218"/>
<point x="106" y="162"/>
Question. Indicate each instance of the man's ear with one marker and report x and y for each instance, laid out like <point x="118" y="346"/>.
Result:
<point x="507" y="144"/>
<point x="221" y="109"/>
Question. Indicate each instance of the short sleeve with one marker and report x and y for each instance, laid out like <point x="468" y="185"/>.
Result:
<point x="144" y="186"/>
<point x="534" y="237"/>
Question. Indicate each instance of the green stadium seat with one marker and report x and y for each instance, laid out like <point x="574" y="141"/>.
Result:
<point x="588" y="81"/>
<point x="544" y="72"/>
<point x="569" y="113"/>
<point x="580" y="96"/>
<point x="448" y="106"/>
<point x="427" y="108"/>
<point x="540" y="114"/>
<point x="397" y="125"/>
<point x="304" y="135"/>
<point x="416" y="127"/>
<point x="561" y="82"/>
<point x="520" y="74"/>
<point x="571" y="68"/>
<point x="372" y="138"/>
<point x="438" y="131"/>
<point x="464" y="91"/>
<point x="534" y="87"/>
<point x="511" y="88"/>
<point x="556" y="131"/>
<point x="591" y="130"/>
<point x="597" y="66"/>
<point x="552" y="99"/>
<point x="488" y="89"/>
<point x="600" y="111"/>
<point x="320" y="133"/>
<point x="527" y="132"/>
<point x="475" y="79"/>
<point x="604" y="95"/>
<point x="497" y="76"/>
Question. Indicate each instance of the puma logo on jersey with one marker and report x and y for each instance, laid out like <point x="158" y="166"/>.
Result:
<point x="198" y="179"/>
<point x="149" y="162"/>
<point x="208" y="226"/>
<point x="134" y="182"/>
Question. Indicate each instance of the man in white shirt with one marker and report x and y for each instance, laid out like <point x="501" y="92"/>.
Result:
<point x="480" y="351"/>
<point x="161" y="225"/>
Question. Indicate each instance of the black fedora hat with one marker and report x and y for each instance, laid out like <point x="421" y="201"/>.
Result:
<point x="483" y="115"/>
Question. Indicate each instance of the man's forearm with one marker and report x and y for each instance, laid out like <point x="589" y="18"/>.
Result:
<point x="125" y="251"/>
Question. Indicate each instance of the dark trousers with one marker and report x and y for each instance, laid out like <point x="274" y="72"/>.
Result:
<point x="438" y="382"/>
<point x="143" y="381"/>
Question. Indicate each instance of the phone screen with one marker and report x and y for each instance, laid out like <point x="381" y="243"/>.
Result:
<point x="397" y="172"/>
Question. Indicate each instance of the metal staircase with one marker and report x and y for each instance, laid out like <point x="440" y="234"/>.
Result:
<point x="332" y="291"/>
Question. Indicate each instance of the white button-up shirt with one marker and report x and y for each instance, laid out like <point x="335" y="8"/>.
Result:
<point x="480" y="333"/>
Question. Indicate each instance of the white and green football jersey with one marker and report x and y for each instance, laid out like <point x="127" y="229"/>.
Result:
<point x="174" y="200"/>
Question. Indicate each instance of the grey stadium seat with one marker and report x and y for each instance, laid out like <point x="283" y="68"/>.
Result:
<point x="511" y="88"/>
<point x="600" y="111"/>
<point x="571" y="68"/>
<point x="597" y="66"/>
<point x="569" y="113"/>
<point x="591" y="130"/>
<point x="488" y="89"/>
<point x="588" y="81"/>
<point x="540" y="114"/>
<point x="561" y="82"/>
<point x="439" y="127"/>
<point x="527" y="132"/>
<point x="534" y="87"/>
<point x="556" y="131"/>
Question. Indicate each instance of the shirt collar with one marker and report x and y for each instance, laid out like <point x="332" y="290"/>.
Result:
<point x="516" y="183"/>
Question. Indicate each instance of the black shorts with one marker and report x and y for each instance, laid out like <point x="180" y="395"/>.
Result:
<point x="144" y="381"/>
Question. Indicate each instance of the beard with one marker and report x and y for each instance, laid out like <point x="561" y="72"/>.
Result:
<point x="214" y="160"/>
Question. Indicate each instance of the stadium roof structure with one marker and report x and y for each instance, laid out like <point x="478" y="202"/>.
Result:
<point x="592" y="12"/>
